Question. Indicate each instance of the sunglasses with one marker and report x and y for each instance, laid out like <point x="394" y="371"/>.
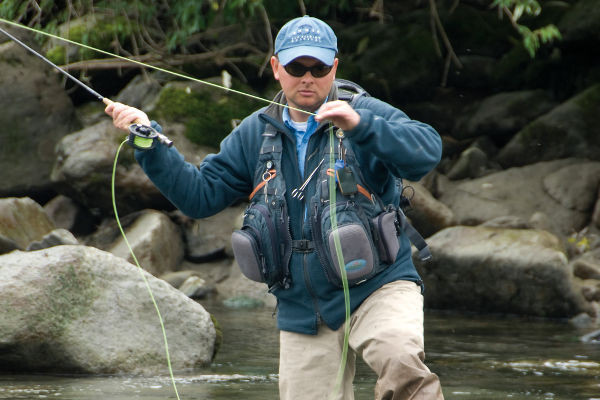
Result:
<point x="298" y="70"/>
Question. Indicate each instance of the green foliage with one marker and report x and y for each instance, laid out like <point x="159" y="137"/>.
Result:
<point x="57" y="54"/>
<point x="515" y="9"/>
<point x="531" y="39"/>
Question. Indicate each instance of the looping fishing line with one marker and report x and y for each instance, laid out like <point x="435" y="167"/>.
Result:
<point x="140" y="269"/>
<point x="332" y="191"/>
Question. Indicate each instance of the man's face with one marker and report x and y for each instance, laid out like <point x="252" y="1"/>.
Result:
<point x="305" y="92"/>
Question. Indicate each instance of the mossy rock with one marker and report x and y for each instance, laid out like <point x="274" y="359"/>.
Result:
<point x="207" y="113"/>
<point x="569" y="130"/>
<point x="393" y="62"/>
<point x="581" y="22"/>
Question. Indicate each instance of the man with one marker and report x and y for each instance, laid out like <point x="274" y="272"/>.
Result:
<point x="280" y="157"/>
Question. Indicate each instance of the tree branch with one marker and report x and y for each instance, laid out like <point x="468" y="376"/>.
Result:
<point x="451" y="56"/>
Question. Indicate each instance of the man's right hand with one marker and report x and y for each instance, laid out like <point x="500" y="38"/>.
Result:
<point x="124" y="115"/>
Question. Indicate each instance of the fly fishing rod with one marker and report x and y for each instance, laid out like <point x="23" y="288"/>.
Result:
<point x="140" y="136"/>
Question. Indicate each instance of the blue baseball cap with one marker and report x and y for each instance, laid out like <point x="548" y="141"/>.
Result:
<point x="306" y="36"/>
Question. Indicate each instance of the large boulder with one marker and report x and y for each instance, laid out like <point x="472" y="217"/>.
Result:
<point x="526" y="192"/>
<point x="568" y="130"/>
<point x="426" y="213"/>
<point x="581" y="22"/>
<point x="36" y="114"/>
<point x="495" y="270"/>
<point x="503" y="114"/>
<point x="78" y="309"/>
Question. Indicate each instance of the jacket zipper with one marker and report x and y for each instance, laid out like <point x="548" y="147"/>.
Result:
<point x="312" y="294"/>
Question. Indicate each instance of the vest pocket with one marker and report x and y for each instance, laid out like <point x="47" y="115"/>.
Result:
<point x="257" y="246"/>
<point x="356" y="252"/>
<point x="248" y="254"/>
<point x="386" y="230"/>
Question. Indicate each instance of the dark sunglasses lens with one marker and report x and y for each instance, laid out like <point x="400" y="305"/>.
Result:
<point x="298" y="70"/>
<point x="320" y="70"/>
<point x="295" y="69"/>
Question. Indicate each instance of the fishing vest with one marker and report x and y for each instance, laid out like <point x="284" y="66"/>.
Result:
<point x="357" y="232"/>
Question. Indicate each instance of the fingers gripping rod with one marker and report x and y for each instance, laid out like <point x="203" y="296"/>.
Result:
<point x="135" y="128"/>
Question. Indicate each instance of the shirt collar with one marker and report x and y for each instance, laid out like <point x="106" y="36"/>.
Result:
<point x="287" y="118"/>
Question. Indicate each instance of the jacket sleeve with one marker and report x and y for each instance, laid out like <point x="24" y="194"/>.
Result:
<point x="200" y="191"/>
<point x="408" y="148"/>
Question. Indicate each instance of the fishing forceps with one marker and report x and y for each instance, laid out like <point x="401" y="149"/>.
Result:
<point x="298" y="193"/>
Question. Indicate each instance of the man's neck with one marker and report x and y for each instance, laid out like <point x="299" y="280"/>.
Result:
<point x="297" y="115"/>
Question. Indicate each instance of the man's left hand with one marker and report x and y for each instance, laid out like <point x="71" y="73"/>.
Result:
<point x="340" y="113"/>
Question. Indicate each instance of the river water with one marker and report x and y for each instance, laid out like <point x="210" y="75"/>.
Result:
<point x="476" y="357"/>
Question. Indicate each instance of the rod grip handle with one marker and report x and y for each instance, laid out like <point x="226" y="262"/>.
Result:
<point x="108" y="102"/>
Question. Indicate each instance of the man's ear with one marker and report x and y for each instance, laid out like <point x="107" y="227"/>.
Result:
<point x="275" y="67"/>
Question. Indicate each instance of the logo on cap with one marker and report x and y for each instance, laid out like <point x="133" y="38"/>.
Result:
<point x="306" y="33"/>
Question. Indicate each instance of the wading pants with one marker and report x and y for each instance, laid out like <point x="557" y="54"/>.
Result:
<point x="386" y="331"/>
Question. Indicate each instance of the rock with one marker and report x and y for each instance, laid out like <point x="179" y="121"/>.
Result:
<point x="7" y="245"/>
<point x="504" y="114"/>
<point x="516" y="192"/>
<point x="588" y="265"/>
<point x="576" y="194"/>
<point x="237" y="289"/>
<point x="581" y="22"/>
<point x="213" y="272"/>
<point x="55" y="238"/>
<point x="596" y="212"/>
<point x="83" y="171"/>
<point x="582" y="321"/>
<point x="472" y="163"/>
<point x="22" y="221"/>
<point x="592" y="337"/>
<point x="36" y="114"/>
<point x="590" y="288"/>
<point x="84" y="164"/>
<point x="155" y="240"/>
<point x="507" y="222"/>
<point x="495" y="270"/>
<point x="240" y="302"/>
<point x="67" y="214"/>
<point x="177" y="278"/>
<point x="413" y="66"/>
<point x="140" y="93"/>
<point x="426" y="214"/>
<point x="196" y="288"/>
<point x="209" y="238"/>
<point x="540" y="221"/>
<point x="77" y="309"/>
<point x="568" y="130"/>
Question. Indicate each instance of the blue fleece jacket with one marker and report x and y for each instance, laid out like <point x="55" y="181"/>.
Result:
<point x="387" y="144"/>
